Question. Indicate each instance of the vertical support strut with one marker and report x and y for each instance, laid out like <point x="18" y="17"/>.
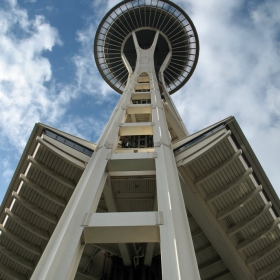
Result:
<point x="63" y="252"/>
<point x="177" y="252"/>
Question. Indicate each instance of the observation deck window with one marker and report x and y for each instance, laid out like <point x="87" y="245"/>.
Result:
<point x="68" y="142"/>
<point x="141" y="101"/>
<point x="136" y="141"/>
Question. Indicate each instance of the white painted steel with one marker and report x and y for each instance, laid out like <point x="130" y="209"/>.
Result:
<point x="175" y="237"/>
<point x="112" y="206"/>
<point x="70" y="184"/>
<point x="62" y="254"/>
<point x="126" y="219"/>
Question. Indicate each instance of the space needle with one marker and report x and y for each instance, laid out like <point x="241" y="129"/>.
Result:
<point x="148" y="201"/>
<point x="145" y="50"/>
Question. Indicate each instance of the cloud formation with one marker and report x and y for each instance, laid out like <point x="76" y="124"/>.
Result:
<point x="237" y="73"/>
<point x="24" y="73"/>
<point x="28" y="91"/>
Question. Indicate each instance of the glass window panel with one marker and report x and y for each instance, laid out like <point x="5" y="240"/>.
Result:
<point x="88" y="152"/>
<point x="69" y="143"/>
<point x="79" y="148"/>
<point x="50" y="134"/>
<point x="60" y="139"/>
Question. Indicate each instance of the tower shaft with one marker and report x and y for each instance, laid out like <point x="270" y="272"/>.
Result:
<point x="118" y="153"/>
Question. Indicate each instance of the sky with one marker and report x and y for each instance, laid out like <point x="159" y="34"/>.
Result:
<point x="48" y="73"/>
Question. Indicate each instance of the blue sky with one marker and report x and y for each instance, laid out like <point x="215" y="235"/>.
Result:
<point x="48" y="73"/>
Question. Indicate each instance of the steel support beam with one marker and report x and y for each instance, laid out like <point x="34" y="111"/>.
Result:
<point x="131" y="234"/>
<point x="106" y="247"/>
<point x="175" y="236"/>
<point x="36" y="210"/>
<point x="21" y="242"/>
<point x="132" y="173"/>
<point x="197" y="233"/>
<point x="125" y="219"/>
<point x="16" y="258"/>
<point x="220" y="275"/>
<point x="201" y="249"/>
<point x="212" y="230"/>
<point x="238" y="204"/>
<point x="263" y="253"/>
<point x="61" y="179"/>
<point x="246" y="222"/>
<point x="210" y="263"/>
<point x="47" y="194"/>
<point x="199" y="150"/>
<point x="112" y="206"/>
<point x="260" y="274"/>
<point x="25" y="224"/>
<point x="63" y="252"/>
<point x="87" y="277"/>
<point x="254" y="238"/>
<point x="174" y="122"/>
<point x="148" y="257"/>
<point x="212" y="172"/>
<point x="11" y="273"/>
<point x="223" y="190"/>
<point x="73" y="161"/>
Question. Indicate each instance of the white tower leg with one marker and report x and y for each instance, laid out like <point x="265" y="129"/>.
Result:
<point x="177" y="252"/>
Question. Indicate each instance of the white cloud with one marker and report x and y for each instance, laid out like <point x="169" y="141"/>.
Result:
<point x="87" y="75"/>
<point x="28" y="92"/>
<point x="84" y="127"/>
<point x="237" y="73"/>
<point x="273" y="100"/>
<point x="7" y="171"/>
<point x="24" y="71"/>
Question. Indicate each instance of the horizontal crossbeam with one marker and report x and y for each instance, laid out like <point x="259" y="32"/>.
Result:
<point x="139" y="109"/>
<point x="125" y="219"/>
<point x="134" y="227"/>
<point x="131" y="234"/>
<point x="128" y="129"/>
<point x="132" y="173"/>
<point x="140" y="95"/>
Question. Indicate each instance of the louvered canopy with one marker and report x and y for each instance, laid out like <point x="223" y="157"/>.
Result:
<point x="113" y="40"/>
<point x="232" y="209"/>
